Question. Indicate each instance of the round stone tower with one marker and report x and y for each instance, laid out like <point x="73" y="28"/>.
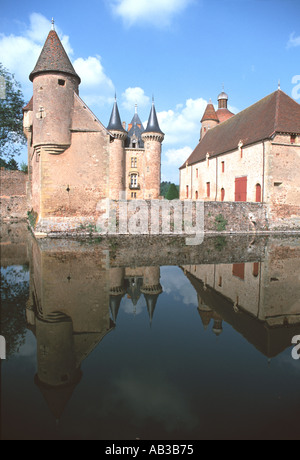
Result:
<point x="117" y="154"/>
<point x="152" y="138"/>
<point x="54" y="83"/>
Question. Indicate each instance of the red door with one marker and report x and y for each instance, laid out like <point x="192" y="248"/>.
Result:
<point x="241" y="188"/>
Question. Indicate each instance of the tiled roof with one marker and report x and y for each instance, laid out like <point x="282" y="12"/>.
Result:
<point x="224" y="114"/>
<point x="29" y="106"/>
<point x="210" y="113"/>
<point x="276" y="113"/>
<point x="53" y="58"/>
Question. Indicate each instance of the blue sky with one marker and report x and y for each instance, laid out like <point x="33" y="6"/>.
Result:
<point x="180" y="51"/>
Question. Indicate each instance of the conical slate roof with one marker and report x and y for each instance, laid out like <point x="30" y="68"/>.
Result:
<point x="153" y="126"/>
<point x="53" y="58"/>
<point x="115" y="123"/>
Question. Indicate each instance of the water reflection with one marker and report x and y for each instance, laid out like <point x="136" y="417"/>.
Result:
<point x="80" y="292"/>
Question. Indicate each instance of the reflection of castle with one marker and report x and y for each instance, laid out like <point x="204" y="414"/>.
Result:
<point x="134" y="282"/>
<point x="261" y="300"/>
<point x="72" y="293"/>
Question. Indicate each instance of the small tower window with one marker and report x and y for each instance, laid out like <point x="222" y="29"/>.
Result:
<point x="61" y="82"/>
<point x="208" y="189"/>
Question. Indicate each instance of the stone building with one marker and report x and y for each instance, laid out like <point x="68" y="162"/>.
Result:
<point x="253" y="156"/>
<point x="74" y="160"/>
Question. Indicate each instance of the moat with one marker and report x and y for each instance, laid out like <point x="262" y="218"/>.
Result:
<point x="149" y="338"/>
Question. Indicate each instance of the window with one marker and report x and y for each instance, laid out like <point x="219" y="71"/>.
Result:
<point x="293" y="138"/>
<point x="196" y="195"/>
<point x="220" y="281"/>
<point x="133" y="180"/>
<point x="133" y="162"/>
<point x="222" y="194"/>
<point x="61" y="82"/>
<point x="187" y="191"/>
<point x="197" y="173"/>
<point x="133" y="194"/>
<point x="223" y="166"/>
<point x="208" y="189"/>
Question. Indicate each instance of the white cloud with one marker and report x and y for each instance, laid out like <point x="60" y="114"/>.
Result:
<point x="176" y="157"/>
<point x="182" y="125"/>
<point x="96" y="87"/>
<point x="133" y="96"/>
<point x="293" y="41"/>
<point x="156" y="12"/>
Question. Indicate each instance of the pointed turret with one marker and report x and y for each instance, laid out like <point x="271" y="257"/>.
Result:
<point x="153" y="125"/>
<point x="54" y="84"/>
<point x="117" y="153"/>
<point x="53" y="58"/>
<point x="152" y="138"/>
<point x="209" y="119"/>
<point x="115" y="123"/>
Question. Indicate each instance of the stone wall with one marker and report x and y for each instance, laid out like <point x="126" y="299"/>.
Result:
<point x="13" y="197"/>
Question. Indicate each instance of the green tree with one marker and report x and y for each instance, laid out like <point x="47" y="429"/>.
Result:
<point x="11" y="164"/>
<point x="172" y="193"/>
<point x="11" y="115"/>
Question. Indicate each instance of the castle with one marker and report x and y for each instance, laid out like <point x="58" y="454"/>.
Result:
<point x="74" y="161"/>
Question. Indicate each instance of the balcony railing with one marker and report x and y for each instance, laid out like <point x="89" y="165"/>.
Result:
<point x="134" y="187"/>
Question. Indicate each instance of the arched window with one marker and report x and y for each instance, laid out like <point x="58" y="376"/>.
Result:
<point x="258" y="193"/>
<point x="196" y="195"/>
<point x="222" y="194"/>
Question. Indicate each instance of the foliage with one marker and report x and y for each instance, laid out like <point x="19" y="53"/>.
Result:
<point x="11" y="115"/>
<point x="24" y="167"/>
<point x="172" y="193"/>
<point x="220" y="223"/>
<point x="14" y="294"/>
<point x="164" y="187"/>
<point x="11" y="164"/>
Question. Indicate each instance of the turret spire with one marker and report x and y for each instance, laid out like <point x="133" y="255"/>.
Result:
<point x="153" y="126"/>
<point x="115" y="123"/>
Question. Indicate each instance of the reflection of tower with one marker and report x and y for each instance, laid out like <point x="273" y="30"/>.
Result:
<point x="205" y="313"/>
<point x="217" y="327"/>
<point x="116" y="291"/>
<point x="151" y="288"/>
<point x="58" y="373"/>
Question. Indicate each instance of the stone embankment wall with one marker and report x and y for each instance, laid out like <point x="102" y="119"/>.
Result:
<point x="13" y="196"/>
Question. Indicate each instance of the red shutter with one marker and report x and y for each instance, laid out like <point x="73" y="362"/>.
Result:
<point x="258" y="193"/>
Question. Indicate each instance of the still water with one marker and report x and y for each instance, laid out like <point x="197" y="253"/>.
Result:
<point x="149" y="338"/>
